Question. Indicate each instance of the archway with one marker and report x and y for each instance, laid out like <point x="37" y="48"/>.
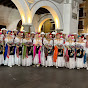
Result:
<point x="47" y="25"/>
<point x="42" y="20"/>
<point x="24" y="11"/>
<point x="51" y="7"/>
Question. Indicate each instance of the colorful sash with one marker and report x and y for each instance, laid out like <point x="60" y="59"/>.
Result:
<point x="24" y="52"/>
<point x="39" y="54"/>
<point x="55" y="54"/>
<point x="87" y="44"/>
<point x="67" y="56"/>
<point x="6" y="50"/>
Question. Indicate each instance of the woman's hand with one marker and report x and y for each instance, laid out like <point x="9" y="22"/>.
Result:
<point x="84" y="53"/>
<point x="9" y="45"/>
<point x="17" y="46"/>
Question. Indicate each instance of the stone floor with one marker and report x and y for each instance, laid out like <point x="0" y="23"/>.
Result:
<point x="30" y="77"/>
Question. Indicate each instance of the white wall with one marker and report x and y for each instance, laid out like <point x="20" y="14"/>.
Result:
<point x="9" y="17"/>
<point x="70" y="24"/>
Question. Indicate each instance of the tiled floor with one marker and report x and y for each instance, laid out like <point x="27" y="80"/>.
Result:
<point x="30" y="77"/>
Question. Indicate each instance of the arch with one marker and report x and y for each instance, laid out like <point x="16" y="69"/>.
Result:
<point x="13" y="25"/>
<point x="43" y="19"/>
<point x="24" y="11"/>
<point x="52" y="8"/>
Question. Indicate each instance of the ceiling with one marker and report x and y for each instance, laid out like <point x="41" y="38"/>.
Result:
<point x="8" y="3"/>
<point x="42" y="11"/>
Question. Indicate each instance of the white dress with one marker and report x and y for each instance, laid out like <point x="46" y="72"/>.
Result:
<point x="9" y="60"/>
<point x="27" y="61"/>
<point x="49" y="61"/>
<point x="18" y="60"/>
<point x="80" y="61"/>
<point x="1" y="55"/>
<point x="42" y="53"/>
<point x="36" y="58"/>
<point x="60" y="60"/>
<point x="86" y="51"/>
<point x="71" y="63"/>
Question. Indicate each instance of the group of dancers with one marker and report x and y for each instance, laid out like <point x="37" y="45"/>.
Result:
<point x="46" y="50"/>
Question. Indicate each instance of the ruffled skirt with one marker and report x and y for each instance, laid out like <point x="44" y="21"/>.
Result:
<point x="71" y="64"/>
<point x="9" y="61"/>
<point x="42" y="59"/>
<point x="1" y="59"/>
<point x="49" y="61"/>
<point x="60" y="62"/>
<point x="36" y="59"/>
<point x="27" y="61"/>
<point x="79" y="62"/>
<point x="18" y="60"/>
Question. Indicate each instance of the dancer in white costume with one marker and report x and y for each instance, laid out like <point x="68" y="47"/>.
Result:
<point x="49" y="50"/>
<point x="42" y="49"/>
<point x="18" y="53"/>
<point x="80" y="49"/>
<point x="58" y="52"/>
<point x="37" y="50"/>
<point x="1" y="49"/>
<point x="70" y="45"/>
<point x="9" y="50"/>
<point x="14" y="33"/>
<point x="86" y="45"/>
<point x="27" y="51"/>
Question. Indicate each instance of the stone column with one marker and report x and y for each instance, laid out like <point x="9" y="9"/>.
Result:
<point x="27" y="27"/>
<point x="70" y="16"/>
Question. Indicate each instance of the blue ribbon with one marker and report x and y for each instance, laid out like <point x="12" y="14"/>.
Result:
<point x="6" y="50"/>
<point x="14" y="49"/>
<point x="85" y="58"/>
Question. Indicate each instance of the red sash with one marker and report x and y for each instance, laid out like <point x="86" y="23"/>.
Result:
<point x="17" y="53"/>
<point x="86" y="44"/>
<point x="8" y="52"/>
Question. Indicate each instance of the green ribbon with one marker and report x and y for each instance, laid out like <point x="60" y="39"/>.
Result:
<point x="24" y="51"/>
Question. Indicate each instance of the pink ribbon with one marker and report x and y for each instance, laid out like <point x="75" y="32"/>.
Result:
<point x="39" y="54"/>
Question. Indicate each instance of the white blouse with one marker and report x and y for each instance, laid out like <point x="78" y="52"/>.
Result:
<point x="58" y="42"/>
<point x="35" y="40"/>
<point x="25" y="40"/>
<point x="8" y="40"/>
<point x="82" y="44"/>
<point x="48" y="42"/>
<point x="18" y="40"/>
<point x="67" y="43"/>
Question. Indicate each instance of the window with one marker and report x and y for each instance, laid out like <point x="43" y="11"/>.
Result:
<point x="80" y="26"/>
<point x="81" y="12"/>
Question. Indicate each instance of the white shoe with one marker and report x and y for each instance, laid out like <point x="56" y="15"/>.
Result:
<point x="78" y="68"/>
<point x="10" y="66"/>
<point x="38" y="65"/>
<point x="57" y="67"/>
<point x="18" y="65"/>
<point x="87" y="68"/>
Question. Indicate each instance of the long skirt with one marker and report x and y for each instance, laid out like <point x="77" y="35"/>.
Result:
<point x="42" y="59"/>
<point x="27" y="61"/>
<point x="60" y="62"/>
<point x="71" y="63"/>
<point x="79" y="62"/>
<point x="49" y="61"/>
<point x="18" y="60"/>
<point x="1" y="59"/>
<point x="9" y="61"/>
<point x="36" y="59"/>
